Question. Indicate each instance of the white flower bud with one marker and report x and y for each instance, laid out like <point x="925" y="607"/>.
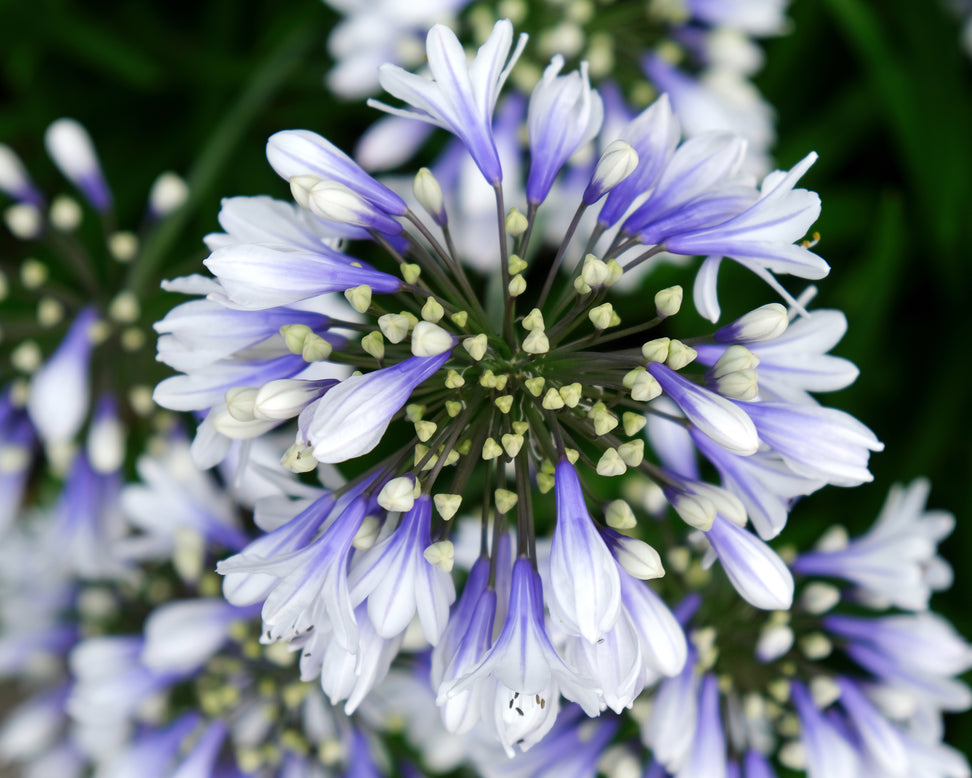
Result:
<point x="619" y="515"/>
<point x="284" y="398"/>
<point x="367" y="533"/>
<point x="741" y="385"/>
<point x="240" y="401"/>
<point x="124" y="308"/>
<point x="167" y="193"/>
<point x="476" y="346"/>
<point x="123" y="245"/>
<point x="441" y="555"/>
<point x="774" y="641"/>
<point x="359" y="297"/>
<point x="300" y="188"/>
<point x="638" y="559"/>
<point x="616" y="163"/>
<point x="645" y="387"/>
<point x="516" y="223"/>
<point x="734" y="358"/>
<point x="536" y="342"/>
<point x="447" y="504"/>
<point x="668" y="301"/>
<point x="825" y="691"/>
<point x="680" y="355"/>
<point x="429" y="194"/>
<point x="819" y="597"/>
<point x="596" y="272"/>
<point x="432" y="310"/>
<point x="13" y="176"/>
<point x="656" y="350"/>
<point x="106" y="443"/>
<point x="533" y="320"/>
<point x="65" y="214"/>
<point x="69" y="145"/>
<point x="694" y="510"/>
<point x="611" y="464"/>
<point x="764" y="323"/>
<point x="23" y="220"/>
<point x="338" y="203"/>
<point x="394" y="326"/>
<point x="430" y="339"/>
<point x="398" y="494"/>
<point x="816" y="646"/>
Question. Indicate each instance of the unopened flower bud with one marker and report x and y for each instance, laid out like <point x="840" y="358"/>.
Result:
<point x="338" y="203"/>
<point x="300" y="188"/>
<point x="741" y="385"/>
<point x="680" y="355"/>
<point x="167" y="193"/>
<point x="818" y="597"/>
<point x="533" y="320"/>
<point x="447" y="504"/>
<point x="694" y="510"/>
<point x="734" y="358"/>
<point x="430" y="339"/>
<point x="764" y="323"/>
<point x="603" y="316"/>
<point x="106" y="441"/>
<point x="429" y="194"/>
<point x="367" y="533"/>
<point x="536" y="342"/>
<point x="441" y="555"/>
<point x="315" y="349"/>
<point x="394" y="326"/>
<point x="505" y="500"/>
<point x="617" y="162"/>
<point x="398" y="494"/>
<point x="24" y="221"/>
<point x="595" y="272"/>
<point x="611" y="464"/>
<point x="668" y="301"/>
<point x="432" y="310"/>
<point x="65" y="214"/>
<point x="638" y="558"/>
<point x="374" y="344"/>
<point x="774" y="641"/>
<point x="286" y="398"/>
<point x="619" y="515"/>
<point x="240" y="401"/>
<point x="656" y="350"/>
<point x="516" y="223"/>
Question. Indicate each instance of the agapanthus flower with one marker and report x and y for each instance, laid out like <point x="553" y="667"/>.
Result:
<point x="829" y="687"/>
<point x="78" y="283"/>
<point x="535" y="376"/>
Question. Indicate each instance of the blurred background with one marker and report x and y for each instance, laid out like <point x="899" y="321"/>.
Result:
<point x="883" y="92"/>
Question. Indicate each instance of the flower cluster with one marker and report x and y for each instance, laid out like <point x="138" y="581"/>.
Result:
<point x="507" y="386"/>
<point x="73" y="312"/>
<point x="482" y="493"/>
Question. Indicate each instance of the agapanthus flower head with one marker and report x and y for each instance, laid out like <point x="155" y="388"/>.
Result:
<point x="77" y="281"/>
<point x="836" y="686"/>
<point x="483" y="388"/>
